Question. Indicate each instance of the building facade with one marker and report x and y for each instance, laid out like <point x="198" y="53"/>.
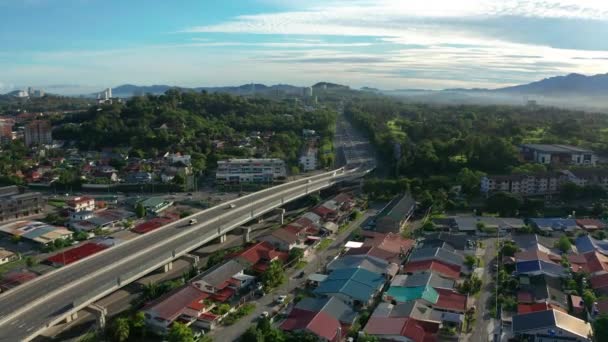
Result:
<point x="38" y="132"/>
<point x="250" y="170"/>
<point x="557" y="154"/>
<point x="15" y="204"/>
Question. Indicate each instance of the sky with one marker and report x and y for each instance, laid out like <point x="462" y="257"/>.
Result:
<point x="81" y="46"/>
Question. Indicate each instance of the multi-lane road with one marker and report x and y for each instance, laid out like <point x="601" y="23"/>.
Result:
<point x="30" y="308"/>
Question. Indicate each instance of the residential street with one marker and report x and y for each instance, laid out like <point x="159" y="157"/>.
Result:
<point x="266" y="303"/>
<point x="483" y="328"/>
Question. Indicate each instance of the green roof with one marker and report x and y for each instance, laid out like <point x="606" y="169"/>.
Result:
<point x="404" y="294"/>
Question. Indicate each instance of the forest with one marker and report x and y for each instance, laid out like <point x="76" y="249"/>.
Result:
<point x="430" y="149"/>
<point x="189" y="122"/>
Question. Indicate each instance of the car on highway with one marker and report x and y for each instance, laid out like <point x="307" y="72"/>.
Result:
<point x="231" y="206"/>
<point x="192" y="222"/>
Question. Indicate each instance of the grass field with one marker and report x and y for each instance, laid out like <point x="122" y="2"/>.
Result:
<point x="395" y="130"/>
<point x="324" y="244"/>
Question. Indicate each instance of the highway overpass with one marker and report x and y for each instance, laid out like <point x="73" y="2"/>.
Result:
<point x="43" y="302"/>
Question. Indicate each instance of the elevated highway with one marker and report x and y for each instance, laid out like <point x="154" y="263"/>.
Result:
<point x="43" y="302"/>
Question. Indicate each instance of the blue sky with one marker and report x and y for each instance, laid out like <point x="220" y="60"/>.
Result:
<point x="75" y="46"/>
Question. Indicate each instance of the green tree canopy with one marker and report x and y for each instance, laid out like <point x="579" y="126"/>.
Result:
<point x="180" y="333"/>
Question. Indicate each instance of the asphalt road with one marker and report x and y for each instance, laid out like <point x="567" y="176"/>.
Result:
<point x="484" y="324"/>
<point x="61" y="291"/>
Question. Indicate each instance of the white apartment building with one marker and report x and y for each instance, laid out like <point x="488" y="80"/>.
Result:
<point x="525" y="185"/>
<point x="308" y="160"/>
<point x="250" y="170"/>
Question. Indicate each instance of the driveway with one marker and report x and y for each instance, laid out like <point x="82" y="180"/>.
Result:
<point x="266" y="303"/>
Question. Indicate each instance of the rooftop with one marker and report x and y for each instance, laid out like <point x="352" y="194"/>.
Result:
<point x="551" y="319"/>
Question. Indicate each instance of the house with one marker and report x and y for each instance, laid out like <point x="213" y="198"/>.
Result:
<point x="325" y="327"/>
<point x="451" y="301"/>
<point x="599" y="284"/>
<point x="444" y="269"/>
<point x="366" y="262"/>
<point x="7" y="256"/>
<point x="328" y="318"/>
<point x="523" y="308"/>
<point x="77" y="253"/>
<point x="536" y="254"/>
<point x="401" y="294"/>
<point x="577" y="303"/>
<point x="78" y="204"/>
<point x="283" y="239"/>
<point x="260" y="255"/>
<point x="422" y="279"/>
<point x="597" y="263"/>
<point x="223" y="280"/>
<point x="155" y="205"/>
<point x="395" y="215"/>
<point x="532" y="241"/>
<point x="555" y="154"/>
<point x="554" y="224"/>
<point x="551" y="325"/>
<point x="35" y="231"/>
<point x="138" y="178"/>
<point x="585" y="244"/>
<point x="458" y="241"/>
<point x="469" y="224"/>
<point x="391" y="322"/>
<point x="541" y="289"/>
<point x="591" y="225"/>
<point x="390" y="247"/>
<point x="185" y="304"/>
<point x="437" y="254"/>
<point x="538" y="267"/>
<point x="355" y="286"/>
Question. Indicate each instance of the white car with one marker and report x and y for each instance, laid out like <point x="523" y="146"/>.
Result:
<point x="281" y="299"/>
<point x="231" y="206"/>
<point x="264" y="314"/>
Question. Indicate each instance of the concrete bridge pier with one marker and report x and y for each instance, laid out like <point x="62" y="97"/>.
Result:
<point x="72" y="317"/>
<point x="191" y="258"/>
<point x="168" y="267"/>
<point x="280" y="215"/>
<point x="222" y="238"/>
<point x="246" y="234"/>
<point x="100" y="313"/>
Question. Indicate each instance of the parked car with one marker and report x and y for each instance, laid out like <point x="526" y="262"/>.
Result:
<point x="281" y="299"/>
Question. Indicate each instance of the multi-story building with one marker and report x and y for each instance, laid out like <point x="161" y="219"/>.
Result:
<point x="557" y="154"/>
<point x="78" y="204"/>
<point x="544" y="183"/>
<point x="15" y="203"/>
<point x="308" y="159"/>
<point x="583" y="177"/>
<point x="6" y="129"/>
<point x="38" y="132"/>
<point x="250" y="170"/>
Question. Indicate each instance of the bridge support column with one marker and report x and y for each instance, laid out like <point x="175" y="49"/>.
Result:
<point x="100" y="313"/>
<point x="70" y="318"/>
<point x="168" y="267"/>
<point x="246" y="234"/>
<point x="191" y="258"/>
<point x="281" y="215"/>
<point x="222" y="238"/>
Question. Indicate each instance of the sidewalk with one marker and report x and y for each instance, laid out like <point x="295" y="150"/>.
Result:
<point x="266" y="303"/>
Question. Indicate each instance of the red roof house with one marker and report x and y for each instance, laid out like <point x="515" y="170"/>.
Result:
<point x="443" y="269"/>
<point x="260" y="255"/>
<point x="393" y="328"/>
<point x="591" y="224"/>
<point x="450" y="300"/>
<point x="318" y="323"/>
<point x="600" y="283"/>
<point x="596" y="263"/>
<point x="187" y="301"/>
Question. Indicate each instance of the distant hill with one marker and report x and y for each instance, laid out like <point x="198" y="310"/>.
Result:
<point x="573" y="84"/>
<point x="128" y="90"/>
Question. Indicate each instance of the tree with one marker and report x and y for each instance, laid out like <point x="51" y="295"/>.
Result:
<point x="30" y="261"/>
<point x="569" y="191"/>
<point x="600" y="328"/>
<point x="367" y="338"/>
<point x="589" y="298"/>
<point x="470" y="261"/>
<point x="563" y="244"/>
<point x="138" y="323"/>
<point x="120" y="329"/>
<point x="470" y="180"/>
<point x="274" y="275"/>
<point x="180" y="333"/>
<point x="140" y="211"/>
<point x="504" y="204"/>
<point x="295" y="254"/>
<point x="509" y="248"/>
<point x="429" y="226"/>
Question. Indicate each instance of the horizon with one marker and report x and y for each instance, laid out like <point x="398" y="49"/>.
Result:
<point x="385" y="44"/>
